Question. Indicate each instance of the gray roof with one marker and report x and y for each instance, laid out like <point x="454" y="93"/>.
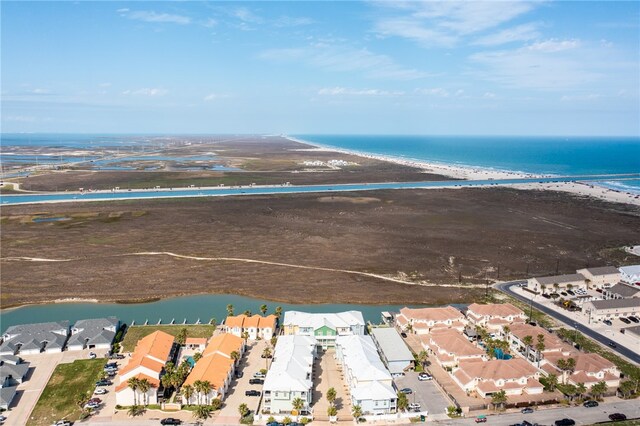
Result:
<point x="616" y="303"/>
<point x="15" y="371"/>
<point x="568" y="278"/>
<point x="392" y="345"/>
<point x="10" y="359"/>
<point x="623" y="290"/>
<point x="635" y="330"/>
<point x="6" y="395"/>
<point x="33" y="336"/>
<point x="94" y="331"/>
<point x="603" y="270"/>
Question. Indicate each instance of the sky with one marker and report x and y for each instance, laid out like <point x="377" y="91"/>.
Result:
<point x="375" y="67"/>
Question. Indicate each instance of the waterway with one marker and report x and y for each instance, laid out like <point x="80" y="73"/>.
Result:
<point x="191" y="308"/>
<point x="285" y="189"/>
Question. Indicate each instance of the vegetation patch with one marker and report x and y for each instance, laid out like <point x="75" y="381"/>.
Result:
<point x="137" y="332"/>
<point x="69" y="387"/>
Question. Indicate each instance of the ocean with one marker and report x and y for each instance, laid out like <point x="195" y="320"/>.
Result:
<point x="539" y="155"/>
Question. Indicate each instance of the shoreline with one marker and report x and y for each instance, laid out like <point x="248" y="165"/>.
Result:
<point x="591" y="189"/>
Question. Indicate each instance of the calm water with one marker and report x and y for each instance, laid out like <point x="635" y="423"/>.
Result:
<point x="73" y="140"/>
<point x="540" y="155"/>
<point x="203" y="307"/>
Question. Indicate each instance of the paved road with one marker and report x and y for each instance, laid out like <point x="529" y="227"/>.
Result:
<point x="622" y="350"/>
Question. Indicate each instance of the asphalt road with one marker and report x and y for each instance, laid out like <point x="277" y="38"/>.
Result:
<point x="622" y="350"/>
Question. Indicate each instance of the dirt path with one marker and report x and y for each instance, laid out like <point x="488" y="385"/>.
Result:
<point x="262" y="262"/>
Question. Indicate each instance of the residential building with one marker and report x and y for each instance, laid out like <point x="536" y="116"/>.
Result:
<point x="93" y="334"/>
<point x="621" y="291"/>
<point x="450" y="347"/>
<point x="599" y="310"/>
<point x="147" y="362"/>
<point x="28" y="339"/>
<point x="590" y="368"/>
<point x="601" y="277"/>
<point x="548" y="285"/>
<point x="216" y="366"/>
<point x="370" y="383"/>
<point x="290" y="375"/>
<point x="196" y="343"/>
<point x="630" y="274"/>
<point x="493" y="316"/>
<point x="13" y="371"/>
<point x="393" y="351"/>
<point x="256" y="326"/>
<point x="633" y="331"/>
<point x="552" y="344"/>
<point x="515" y="376"/>
<point x="423" y="320"/>
<point x="325" y="327"/>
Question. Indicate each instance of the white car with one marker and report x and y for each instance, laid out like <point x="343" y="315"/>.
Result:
<point x="259" y="375"/>
<point x="100" y="391"/>
<point x="424" y="377"/>
<point x="92" y="355"/>
<point x="414" y="406"/>
<point x="62" y="423"/>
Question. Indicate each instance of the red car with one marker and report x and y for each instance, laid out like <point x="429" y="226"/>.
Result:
<point x="96" y="400"/>
<point x="481" y="419"/>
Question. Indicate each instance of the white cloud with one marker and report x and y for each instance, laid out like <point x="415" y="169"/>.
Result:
<point x="246" y="15"/>
<point x="289" y="21"/>
<point x="523" y="32"/>
<point x="105" y="84"/>
<point x="339" y="91"/>
<point x="438" y="91"/>
<point x="151" y="16"/>
<point x="489" y="95"/>
<point x="214" y="96"/>
<point x="19" y="118"/>
<point x="587" y="97"/>
<point x="414" y="30"/>
<point x="210" y="23"/>
<point x="39" y="91"/>
<point x="146" y="92"/>
<point x="338" y="58"/>
<point x="554" y="45"/>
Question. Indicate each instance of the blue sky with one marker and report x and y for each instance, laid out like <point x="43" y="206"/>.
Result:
<point x="515" y="68"/>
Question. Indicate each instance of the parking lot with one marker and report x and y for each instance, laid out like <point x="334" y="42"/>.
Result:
<point x="425" y="393"/>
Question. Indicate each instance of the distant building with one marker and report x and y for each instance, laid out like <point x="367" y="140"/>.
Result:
<point x="422" y="321"/>
<point x="599" y="310"/>
<point x="590" y="368"/>
<point x="515" y="376"/>
<point x="28" y="339"/>
<point x="393" y="351"/>
<point x="147" y="362"/>
<point x="630" y="274"/>
<point x="196" y="343"/>
<point x="324" y="327"/>
<point x="216" y="366"/>
<point x="93" y="334"/>
<point x="548" y="285"/>
<point x="13" y="371"/>
<point x="621" y="291"/>
<point x="290" y="375"/>
<point x="494" y="315"/>
<point x="450" y="347"/>
<point x="552" y="344"/>
<point x="602" y="277"/>
<point x="369" y="382"/>
<point x="255" y="326"/>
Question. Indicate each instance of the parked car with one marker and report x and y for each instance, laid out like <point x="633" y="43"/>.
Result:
<point x="252" y="393"/>
<point x="96" y="400"/>
<point x="590" y="404"/>
<point x="403" y="334"/>
<point x="92" y="355"/>
<point x="100" y="391"/>
<point x="62" y="423"/>
<point x="481" y="419"/>
<point x="170" y="421"/>
<point x="116" y="356"/>
<point x="607" y="322"/>
<point x="414" y="406"/>
<point x="92" y="405"/>
<point x="634" y="319"/>
<point x="239" y="374"/>
<point x="256" y="381"/>
<point x="111" y="364"/>
<point x="104" y="383"/>
<point x="563" y="293"/>
<point x="407" y="391"/>
<point x="565" y="422"/>
<point x="527" y="410"/>
<point x="599" y="290"/>
<point x="259" y="375"/>
<point x="571" y="292"/>
<point x="2" y="419"/>
<point x="424" y="376"/>
<point x="613" y="344"/>
<point x="526" y="423"/>
<point x="617" y="417"/>
<point x="624" y="320"/>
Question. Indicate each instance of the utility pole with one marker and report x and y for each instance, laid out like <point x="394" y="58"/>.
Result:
<point x="498" y="278"/>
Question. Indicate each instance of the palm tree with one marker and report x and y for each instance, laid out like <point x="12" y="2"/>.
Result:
<point x="197" y="356"/>
<point x="230" y="310"/>
<point x="552" y="382"/>
<point x="332" y="411"/>
<point x="540" y="347"/>
<point x="562" y="365"/>
<point x="273" y="341"/>
<point x="278" y="311"/>
<point x="409" y="328"/>
<point x="245" y="335"/>
<point x="181" y="337"/>
<point x="135" y="410"/>
<point x="423" y="357"/>
<point x="505" y="331"/>
<point x="168" y="379"/>
<point x="133" y="384"/>
<point x="213" y="322"/>
<point x="581" y="389"/>
<point x="197" y="386"/>
<point x="266" y="354"/>
<point x="81" y="400"/>
<point x="247" y="313"/>
<point x="403" y="402"/>
<point x="556" y="286"/>
<point x="356" y="412"/>
<point x="187" y="392"/>
<point x="263" y="309"/>
<point x="626" y="388"/>
<point x="206" y="388"/>
<point x="331" y="396"/>
<point x="598" y="389"/>
<point x="297" y="405"/>
<point x="528" y="341"/>
<point x="235" y="356"/>
<point x="202" y="412"/>
<point x="144" y="387"/>
<point x="543" y="287"/>
<point x="498" y="399"/>
<point x="243" y="410"/>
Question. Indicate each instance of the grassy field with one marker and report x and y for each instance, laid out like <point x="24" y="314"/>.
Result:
<point x="60" y="396"/>
<point x="137" y="332"/>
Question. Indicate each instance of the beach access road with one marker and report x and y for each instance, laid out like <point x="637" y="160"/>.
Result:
<point x="508" y="288"/>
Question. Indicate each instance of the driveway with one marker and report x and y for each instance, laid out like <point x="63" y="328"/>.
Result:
<point x="328" y="375"/>
<point x="424" y="393"/>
